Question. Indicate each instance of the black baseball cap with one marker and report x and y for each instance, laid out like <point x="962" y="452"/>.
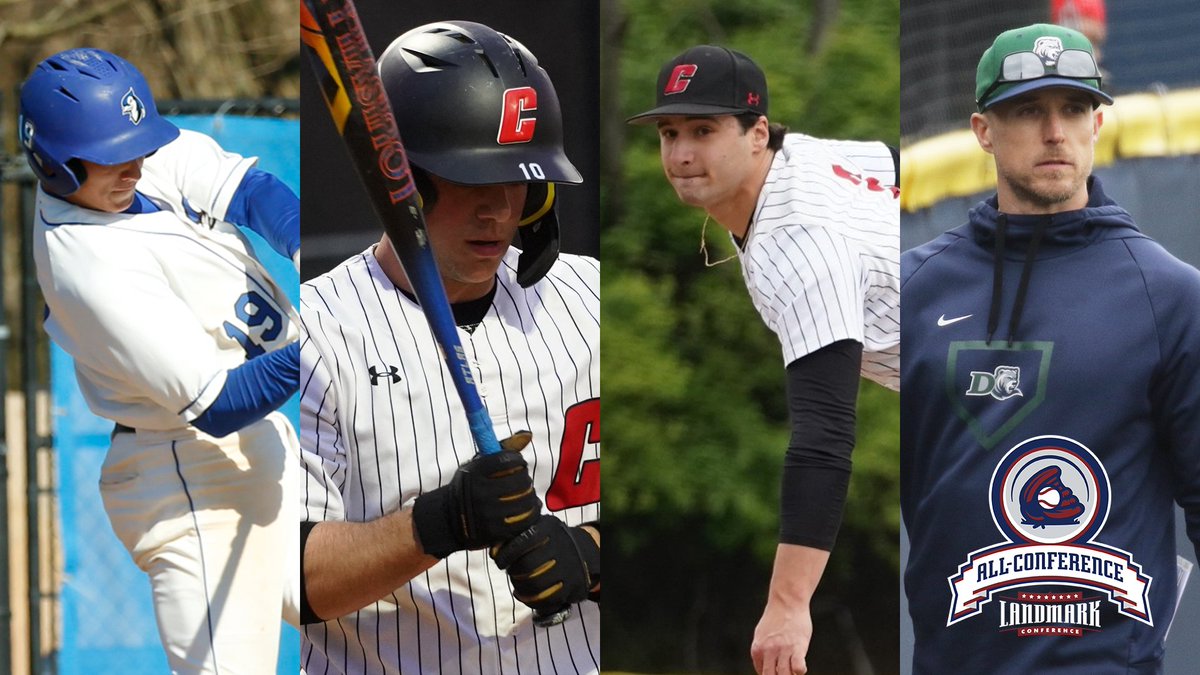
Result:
<point x="708" y="80"/>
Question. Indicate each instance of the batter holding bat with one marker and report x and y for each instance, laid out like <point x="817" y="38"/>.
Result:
<point x="816" y="225"/>
<point x="179" y="336"/>
<point x="421" y="555"/>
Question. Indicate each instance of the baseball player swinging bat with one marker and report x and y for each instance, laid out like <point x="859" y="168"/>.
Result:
<point x="345" y="69"/>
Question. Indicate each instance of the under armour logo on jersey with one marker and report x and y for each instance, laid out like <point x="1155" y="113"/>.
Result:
<point x="392" y="373"/>
<point x="132" y="107"/>
<point x="515" y="125"/>
<point x="680" y="79"/>
<point x="1003" y="383"/>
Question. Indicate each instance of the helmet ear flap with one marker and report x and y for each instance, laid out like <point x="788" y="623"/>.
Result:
<point x="538" y="233"/>
<point x="426" y="192"/>
<point x="539" y="199"/>
<point x="77" y="168"/>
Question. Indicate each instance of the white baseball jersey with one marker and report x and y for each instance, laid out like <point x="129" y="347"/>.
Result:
<point x="822" y="256"/>
<point x="381" y="423"/>
<point x="154" y="308"/>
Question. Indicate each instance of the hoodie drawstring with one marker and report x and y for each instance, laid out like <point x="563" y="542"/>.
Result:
<point x="1026" y="272"/>
<point x="997" y="276"/>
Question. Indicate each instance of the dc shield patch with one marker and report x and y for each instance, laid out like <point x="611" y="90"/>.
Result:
<point x="1050" y="498"/>
<point x="993" y="388"/>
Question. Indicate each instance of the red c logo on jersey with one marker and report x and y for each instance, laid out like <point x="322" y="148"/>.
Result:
<point x="577" y="481"/>
<point x="873" y="183"/>
<point x="680" y="79"/>
<point x="513" y="127"/>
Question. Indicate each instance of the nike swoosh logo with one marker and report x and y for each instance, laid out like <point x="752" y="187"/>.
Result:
<point x="943" y="321"/>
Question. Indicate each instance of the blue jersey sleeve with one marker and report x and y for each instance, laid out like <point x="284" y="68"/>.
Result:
<point x="264" y="204"/>
<point x="252" y="390"/>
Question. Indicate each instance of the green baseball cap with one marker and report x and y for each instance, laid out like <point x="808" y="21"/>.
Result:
<point x="1035" y="57"/>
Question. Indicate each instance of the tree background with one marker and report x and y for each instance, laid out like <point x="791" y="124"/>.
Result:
<point x="695" y="412"/>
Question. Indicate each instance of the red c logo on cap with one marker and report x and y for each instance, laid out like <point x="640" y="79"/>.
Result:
<point x="679" y="79"/>
<point x="514" y="127"/>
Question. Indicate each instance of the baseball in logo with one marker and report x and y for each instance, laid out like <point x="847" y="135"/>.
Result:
<point x="1049" y="499"/>
<point x="132" y="107"/>
<point x="516" y="122"/>
<point x="1045" y="500"/>
<point x="680" y="79"/>
<point x="1050" y="493"/>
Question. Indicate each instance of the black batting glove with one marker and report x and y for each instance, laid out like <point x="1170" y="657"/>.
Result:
<point x="489" y="500"/>
<point x="551" y="566"/>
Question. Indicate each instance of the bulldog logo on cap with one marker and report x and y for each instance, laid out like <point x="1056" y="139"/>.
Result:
<point x="1049" y="48"/>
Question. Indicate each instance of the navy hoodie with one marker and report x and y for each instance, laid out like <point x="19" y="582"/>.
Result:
<point x="1050" y="418"/>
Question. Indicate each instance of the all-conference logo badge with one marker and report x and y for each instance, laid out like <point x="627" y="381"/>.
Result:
<point x="1050" y="498"/>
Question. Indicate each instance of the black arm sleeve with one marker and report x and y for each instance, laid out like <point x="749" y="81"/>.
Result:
<point x="895" y="163"/>
<point x="822" y="398"/>
<point x="307" y="615"/>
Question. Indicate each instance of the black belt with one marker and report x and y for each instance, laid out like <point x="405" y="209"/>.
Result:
<point x="122" y="429"/>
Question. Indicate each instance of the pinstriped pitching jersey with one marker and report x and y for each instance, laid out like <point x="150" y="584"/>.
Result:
<point x="381" y="424"/>
<point x="821" y="258"/>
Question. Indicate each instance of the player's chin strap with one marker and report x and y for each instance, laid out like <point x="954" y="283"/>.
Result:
<point x="704" y="246"/>
<point x="538" y="233"/>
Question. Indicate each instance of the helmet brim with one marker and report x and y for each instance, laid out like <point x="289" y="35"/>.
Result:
<point x="137" y="142"/>
<point x="493" y="166"/>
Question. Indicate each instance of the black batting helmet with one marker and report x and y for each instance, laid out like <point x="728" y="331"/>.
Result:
<point x="474" y="108"/>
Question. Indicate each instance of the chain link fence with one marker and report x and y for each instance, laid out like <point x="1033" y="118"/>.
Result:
<point x="91" y="611"/>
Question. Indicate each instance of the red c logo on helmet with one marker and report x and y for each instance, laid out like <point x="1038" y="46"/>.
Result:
<point x="513" y="127"/>
<point x="680" y="78"/>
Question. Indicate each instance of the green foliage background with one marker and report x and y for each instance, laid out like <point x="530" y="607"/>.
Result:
<point x="695" y="414"/>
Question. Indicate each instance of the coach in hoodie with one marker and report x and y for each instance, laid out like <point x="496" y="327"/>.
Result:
<point x="1056" y="352"/>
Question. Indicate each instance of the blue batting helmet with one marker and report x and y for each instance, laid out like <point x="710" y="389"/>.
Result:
<point x="87" y="104"/>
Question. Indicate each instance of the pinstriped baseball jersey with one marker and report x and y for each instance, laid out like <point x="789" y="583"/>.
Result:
<point x="822" y="256"/>
<point x="381" y="424"/>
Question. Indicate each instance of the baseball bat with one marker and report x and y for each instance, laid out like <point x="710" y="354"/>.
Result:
<point x="338" y="51"/>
